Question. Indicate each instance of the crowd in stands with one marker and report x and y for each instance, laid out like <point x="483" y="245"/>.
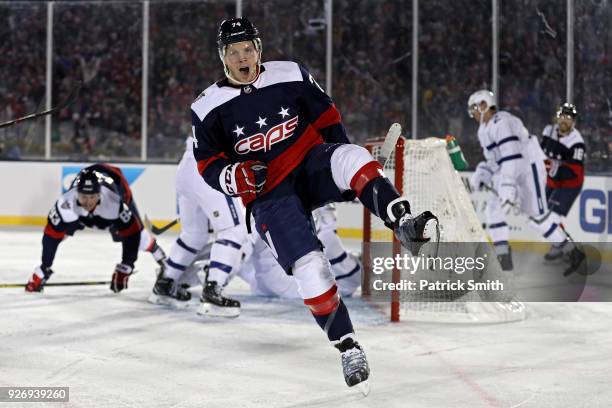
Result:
<point x="22" y="77"/>
<point x="101" y="45"/>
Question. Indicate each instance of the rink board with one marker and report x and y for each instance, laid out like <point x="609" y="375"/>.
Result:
<point x="31" y="188"/>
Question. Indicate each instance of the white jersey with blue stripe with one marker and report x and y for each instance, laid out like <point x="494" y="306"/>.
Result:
<point x="507" y="146"/>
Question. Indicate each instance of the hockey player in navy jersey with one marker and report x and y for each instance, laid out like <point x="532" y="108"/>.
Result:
<point x="565" y="150"/>
<point x="269" y="134"/>
<point x="99" y="197"/>
<point x="514" y="168"/>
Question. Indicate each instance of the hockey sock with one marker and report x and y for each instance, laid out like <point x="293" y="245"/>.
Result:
<point x="336" y="323"/>
<point x="330" y="313"/>
<point x="341" y="263"/>
<point x="499" y="232"/>
<point x="181" y="257"/>
<point x="550" y="226"/>
<point x="225" y="255"/>
<point x="377" y="195"/>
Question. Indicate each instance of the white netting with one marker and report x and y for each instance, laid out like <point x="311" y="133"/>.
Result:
<point x="431" y="183"/>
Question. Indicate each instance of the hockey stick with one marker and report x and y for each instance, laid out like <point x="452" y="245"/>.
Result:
<point x="158" y="230"/>
<point x="389" y="144"/>
<point x="83" y="283"/>
<point x="62" y="105"/>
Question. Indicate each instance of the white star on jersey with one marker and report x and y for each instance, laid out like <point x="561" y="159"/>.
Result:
<point x="261" y="122"/>
<point x="238" y="131"/>
<point x="284" y="112"/>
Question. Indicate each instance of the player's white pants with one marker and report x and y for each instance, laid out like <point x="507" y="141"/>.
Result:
<point x="201" y="205"/>
<point x="531" y="188"/>
<point x="345" y="266"/>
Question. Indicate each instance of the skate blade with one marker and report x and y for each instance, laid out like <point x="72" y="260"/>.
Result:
<point x="210" y="310"/>
<point x="363" y="387"/>
<point x="166" y="301"/>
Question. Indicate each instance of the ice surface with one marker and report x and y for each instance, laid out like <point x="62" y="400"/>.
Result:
<point x="116" y="350"/>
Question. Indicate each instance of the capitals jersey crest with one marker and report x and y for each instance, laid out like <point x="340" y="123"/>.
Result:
<point x="276" y="120"/>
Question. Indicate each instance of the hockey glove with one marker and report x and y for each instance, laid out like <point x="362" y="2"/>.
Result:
<point x="39" y="278"/>
<point x="120" y="277"/>
<point x="481" y="176"/>
<point x="245" y="180"/>
<point x="507" y="195"/>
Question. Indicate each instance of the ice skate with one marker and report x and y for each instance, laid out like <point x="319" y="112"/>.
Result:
<point x="505" y="260"/>
<point x="214" y="304"/>
<point x="577" y="261"/>
<point x="556" y="252"/>
<point x="354" y="365"/>
<point x="166" y="292"/>
<point x="413" y="232"/>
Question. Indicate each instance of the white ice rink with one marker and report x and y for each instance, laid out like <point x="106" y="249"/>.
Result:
<point x="117" y="350"/>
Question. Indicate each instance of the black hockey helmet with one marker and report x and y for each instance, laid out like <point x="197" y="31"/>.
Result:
<point x="236" y="30"/>
<point x="88" y="182"/>
<point x="568" y="109"/>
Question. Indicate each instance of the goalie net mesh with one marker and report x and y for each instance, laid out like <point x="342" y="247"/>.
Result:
<point x="423" y="172"/>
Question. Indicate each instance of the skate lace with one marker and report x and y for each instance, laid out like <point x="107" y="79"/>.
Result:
<point x="353" y="361"/>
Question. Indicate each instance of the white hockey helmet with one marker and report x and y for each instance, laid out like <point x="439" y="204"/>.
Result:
<point x="483" y="95"/>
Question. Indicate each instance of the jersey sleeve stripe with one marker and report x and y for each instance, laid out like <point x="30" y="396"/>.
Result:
<point x="330" y="117"/>
<point x="203" y="164"/>
<point x="508" y="139"/>
<point x="134" y="228"/>
<point x="53" y="233"/>
<point x="501" y="142"/>
<point x="511" y="157"/>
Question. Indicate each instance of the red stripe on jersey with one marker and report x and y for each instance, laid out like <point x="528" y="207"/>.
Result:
<point x="324" y="304"/>
<point x="53" y="233"/>
<point x="576" y="182"/>
<point x="203" y="164"/>
<point x="364" y="175"/>
<point x="126" y="186"/>
<point x="134" y="228"/>
<point x="283" y="164"/>
<point x="330" y="117"/>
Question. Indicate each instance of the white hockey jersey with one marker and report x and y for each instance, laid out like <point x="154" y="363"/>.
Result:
<point x="507" y="146"/>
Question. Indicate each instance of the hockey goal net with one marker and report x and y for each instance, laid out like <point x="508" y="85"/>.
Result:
<point x="423" y="172"/>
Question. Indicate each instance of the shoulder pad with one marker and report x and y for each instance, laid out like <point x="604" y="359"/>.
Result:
<point x="212" y="97"/>
<point x="278" y="72"/>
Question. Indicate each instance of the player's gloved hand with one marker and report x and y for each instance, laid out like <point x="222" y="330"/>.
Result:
<point x="507" y="194"/>
<point x="120" y="277"/>
<point x="481" y="176"/>
<point x="245" y="180"/>
<point x="39" y="278"/>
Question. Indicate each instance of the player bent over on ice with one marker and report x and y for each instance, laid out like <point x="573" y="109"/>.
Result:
<point x="269" y="134"/>
<point x="99" y="197"/>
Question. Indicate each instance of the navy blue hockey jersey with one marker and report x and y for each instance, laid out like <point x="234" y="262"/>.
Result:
<point x="276" y="120"/>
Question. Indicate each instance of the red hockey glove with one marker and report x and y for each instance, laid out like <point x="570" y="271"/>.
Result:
<point x="120" y="277"/>
<point x="245" y="180"/>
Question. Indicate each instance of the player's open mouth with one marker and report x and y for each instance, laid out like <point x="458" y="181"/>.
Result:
<point x="244" y="70"/>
